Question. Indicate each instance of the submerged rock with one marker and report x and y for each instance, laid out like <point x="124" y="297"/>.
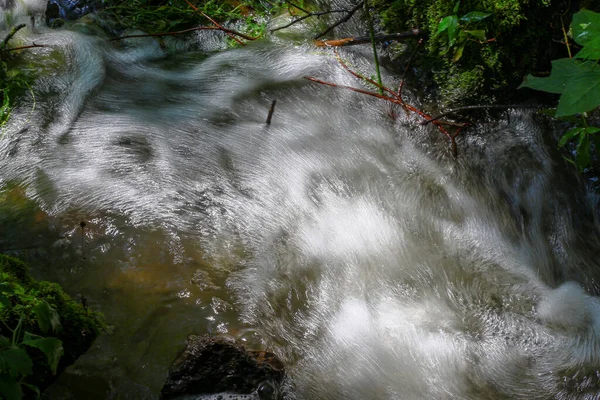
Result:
<point x="213" y="367"/>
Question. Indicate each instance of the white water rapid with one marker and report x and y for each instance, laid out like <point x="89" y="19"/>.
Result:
<point x="373" y="263"/>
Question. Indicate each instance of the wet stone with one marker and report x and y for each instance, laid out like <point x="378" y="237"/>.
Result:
<point x="216" y="367"/>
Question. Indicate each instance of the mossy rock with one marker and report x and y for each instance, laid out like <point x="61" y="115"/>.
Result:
<point x="526" y="37"/>
<point x="78" y="326"/>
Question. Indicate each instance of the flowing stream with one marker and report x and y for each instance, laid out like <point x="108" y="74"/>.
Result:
<point x="352" y="245"/>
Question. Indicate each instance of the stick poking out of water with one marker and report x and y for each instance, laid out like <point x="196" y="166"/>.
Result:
<point x="271" y="110"/>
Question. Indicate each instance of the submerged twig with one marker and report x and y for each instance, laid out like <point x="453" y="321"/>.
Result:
<point x="340" y="21"/>
<point x="352" y="41"/>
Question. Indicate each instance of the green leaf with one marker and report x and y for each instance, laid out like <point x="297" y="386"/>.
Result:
<point x="458" y="53"/>
<point x="585" y="26"/>
<point x="478" y="34"/>
<point x="474" y="16"/>
<point x="563" y="70"/>
<point x="591" y="130"/>
<point x="581" y="94"/>
<point x="582" y="158"/>
<point x="443" y="25"/>
<point x="10" y="388"/>
<point x="46" y="316"/>
<point x="452" y="29"/>
<point x="51" y="347"/>
<point x="591" y="51"/>
<point x="456" y="6"/>
<point x="17" y="360"/>
<point x="570" y="134"/>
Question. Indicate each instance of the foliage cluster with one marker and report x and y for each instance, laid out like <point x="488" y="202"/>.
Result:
<point x="43" y="330"/>
<point x="495" y="42"/>
<point x="577" y="80"/>
<point x="176" y="15"/>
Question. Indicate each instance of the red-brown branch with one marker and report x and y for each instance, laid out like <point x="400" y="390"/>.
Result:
<point x="364" y="78"/>
<point x="394" y="100"/>
<point x="31" y="46"/>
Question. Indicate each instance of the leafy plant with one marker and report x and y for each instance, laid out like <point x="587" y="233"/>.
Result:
<point x="577" y="80"/>
<point x="457" y="32"/>
<point x="16" y="363"/>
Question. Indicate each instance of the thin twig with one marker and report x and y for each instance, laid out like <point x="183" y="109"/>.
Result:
<point x="298" y="7"/>
<point x="10" y="35"/>
<point x="271" y="110"/>
<point x="480" y="107"/>
<point x="367" y="39"/>
<point x="198" y="28"/>
<point x="394" y="100"/>
<point x="31" y="46"/>
<point x="229" y="32"/>
<point x="364" y="78"/>
<point x="302" y="18"/>
<point x="340" y="21"/>
<point x="412" y="56"/>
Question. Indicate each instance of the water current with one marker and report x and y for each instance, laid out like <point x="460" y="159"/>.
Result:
<point x="352" y="245"/>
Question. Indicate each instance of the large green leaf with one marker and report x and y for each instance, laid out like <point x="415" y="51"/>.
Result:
<point x="17" y="361"/>
<point x="10" y="388"/>
<point x="581" y="94"/>
<point x="563" y="70"/>
<point x="46" y="316"/>
<point x="478" y="34"/>
<point x="585" y="26"/>
<point x="591" y="51"/>
<point x="51" y="347"/>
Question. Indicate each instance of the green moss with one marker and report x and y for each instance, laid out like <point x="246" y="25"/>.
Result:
<point x="525" y="33"/>
<point x="78" y="327"/>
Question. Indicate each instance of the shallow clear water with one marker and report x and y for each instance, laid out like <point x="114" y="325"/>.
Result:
<point x="354" y="246"/>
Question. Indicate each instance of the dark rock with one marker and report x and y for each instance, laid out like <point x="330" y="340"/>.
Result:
<point x="217" y="365"/>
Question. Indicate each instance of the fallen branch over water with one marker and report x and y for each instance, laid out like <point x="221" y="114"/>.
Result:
<point x="31" y="46"/>
<point x="308" y="15"/>
<point x="366" y="39"/>
<point x="393" y="97"/>
<point x="340" y="21"/>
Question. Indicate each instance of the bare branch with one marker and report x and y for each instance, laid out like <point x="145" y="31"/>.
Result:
<point x="308" y="15"/>
<point x="366" y="39"/>
<point x="31" y="46"/>
<point x="340" y="21"/>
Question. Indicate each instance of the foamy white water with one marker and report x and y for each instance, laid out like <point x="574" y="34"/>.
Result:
<point x="372" y="262"/>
